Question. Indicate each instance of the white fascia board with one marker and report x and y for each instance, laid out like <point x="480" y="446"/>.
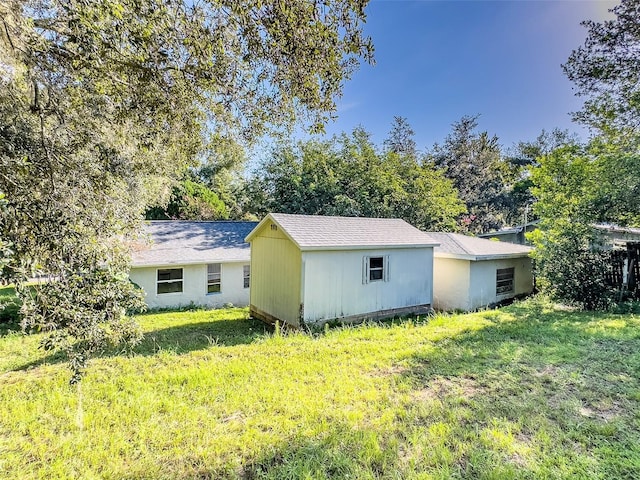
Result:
<point x="365" y="247"/>
<point x="178" y="263"/>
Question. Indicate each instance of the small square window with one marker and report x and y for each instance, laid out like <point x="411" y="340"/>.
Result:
<point x="214" y="278"/>
<point x="376" y="269"/>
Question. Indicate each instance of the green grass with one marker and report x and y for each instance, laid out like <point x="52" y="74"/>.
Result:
<point x="527" y="391"/>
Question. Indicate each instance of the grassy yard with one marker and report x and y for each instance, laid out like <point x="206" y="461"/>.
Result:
<point x="528" y="391"/>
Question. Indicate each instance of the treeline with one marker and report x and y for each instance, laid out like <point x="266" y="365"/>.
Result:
<point x="467" y="183"/>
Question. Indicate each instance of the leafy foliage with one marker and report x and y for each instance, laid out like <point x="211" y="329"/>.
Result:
<point x="473" y="162"/>
<point x="348" y="176"/>
<point x="577" y="187"/>
<point x="606" y="70"/>
<point x="104" y="104"/>
<point x="190" y="200"/>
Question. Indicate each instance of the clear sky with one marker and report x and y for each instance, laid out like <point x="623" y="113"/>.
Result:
<point x="439" y="60"/>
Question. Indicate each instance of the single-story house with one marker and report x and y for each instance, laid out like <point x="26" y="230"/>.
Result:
<point x="187" y="262"/>
<point x="471" y="272"/>
<point x="313" y="269"/>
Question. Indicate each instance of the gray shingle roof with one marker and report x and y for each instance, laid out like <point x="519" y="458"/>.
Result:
<point x="186" y="242"/>
<point x="315" y="232"/>
<point x="464" y="246"/>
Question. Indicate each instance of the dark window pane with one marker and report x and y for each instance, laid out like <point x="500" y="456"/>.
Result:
<point x="213" y="288"/>
<point x="375" y="262"/>
<point x="170" y="274"/>
<point x="375" y="274"/>
<point x="170" y="287"/>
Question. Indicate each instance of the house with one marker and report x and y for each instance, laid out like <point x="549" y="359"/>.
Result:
<point x="616" y="237"/>
<point x="471" y="272"/>
<point x="313" y="269"/>
<point x="185" y="262"/>
<point x="515" y="234"/>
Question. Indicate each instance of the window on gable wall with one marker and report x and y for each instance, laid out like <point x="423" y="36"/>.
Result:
<point x="504" y="280"/>
<point x="375" y="269"/>
<point x="214" y="278"/>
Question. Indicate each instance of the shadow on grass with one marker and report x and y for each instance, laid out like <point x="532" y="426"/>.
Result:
<point x="563" y="387"/>
<point x="180" y="339"/>
<point x="196" y="336"/>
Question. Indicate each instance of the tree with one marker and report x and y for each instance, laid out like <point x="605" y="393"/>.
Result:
<point x="348" y="176"/>
<point x="606" y="71"/>
<point x="104" y="104"/>
<point x="400" y="139"/>
<point x="190" y="200"/>
<point x="473" y="162"/>
<point x="524" y="156"/>
<point x="570" y="265"/>
<point x="577" y="186"/>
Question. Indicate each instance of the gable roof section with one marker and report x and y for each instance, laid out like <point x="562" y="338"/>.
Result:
<point x="455" y="245"/>
<point x="316" y="232"/>
<point x="188" y="243"/>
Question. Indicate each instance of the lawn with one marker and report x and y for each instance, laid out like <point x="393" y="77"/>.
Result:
<point x="527" y="391"/>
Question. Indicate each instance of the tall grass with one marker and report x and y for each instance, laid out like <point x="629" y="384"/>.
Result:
<point x="528" y="391"/>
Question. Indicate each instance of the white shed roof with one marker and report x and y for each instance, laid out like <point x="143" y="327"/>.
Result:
<point x="189" y="242"/>
<point x="455" y="245"/>
<point x="315" y="232"/>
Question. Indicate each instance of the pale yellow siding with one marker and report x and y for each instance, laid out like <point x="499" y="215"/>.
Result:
<point x="451" y="284"/>
<point x="275" y="275"/>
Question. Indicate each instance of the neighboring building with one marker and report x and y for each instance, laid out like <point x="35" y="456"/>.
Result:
<point x="201" y="263"/>
<point x="512" y="234"/>
<point x="313" y="269"/>
<point x="615" y="237"/>
<point x="471" y="272"/>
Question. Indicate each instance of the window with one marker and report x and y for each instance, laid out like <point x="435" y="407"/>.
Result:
<point x="246" y="273"/>
<point x="214" y="278"/>
<point x="169" y="280"/>
<point x="504" y="280"/>
<point x="376" y="269"/>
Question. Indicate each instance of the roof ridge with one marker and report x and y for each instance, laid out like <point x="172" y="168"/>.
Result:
<point x="455" y="240"/>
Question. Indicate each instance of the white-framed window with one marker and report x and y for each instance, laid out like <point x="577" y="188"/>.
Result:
<point x="375" y="269"/>
<point x="246" y="274"/>
<point x="169" y="280"/>
<point x="504" y="280"/>
<point x="214" y="278"/>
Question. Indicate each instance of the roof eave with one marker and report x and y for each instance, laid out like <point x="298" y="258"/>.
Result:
<point x="187" y="263"/>
<point x="499" y="256"/>
<point x="311" y="248"/>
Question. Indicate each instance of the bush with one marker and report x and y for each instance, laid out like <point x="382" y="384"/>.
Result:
<point x="571" y="268"/>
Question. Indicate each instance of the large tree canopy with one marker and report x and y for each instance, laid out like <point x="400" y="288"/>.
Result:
<point x="102" y="101"/>
<point x="349" y="176"/>
<point x="473" y="162"/>
<point x="606" y="70"/>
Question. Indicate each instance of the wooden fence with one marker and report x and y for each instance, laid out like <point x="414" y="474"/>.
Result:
<point x="628" y="260"/>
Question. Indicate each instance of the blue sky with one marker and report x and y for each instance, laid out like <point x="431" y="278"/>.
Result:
<point x="439" y="60"/>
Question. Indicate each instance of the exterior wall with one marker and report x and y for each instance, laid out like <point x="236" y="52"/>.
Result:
<point x="333" y="286"/>
<point x="194" y="286"/>
<point x="451" y="280"/>
<point x="276" y="272"/>
<point x="482" y="289"/>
